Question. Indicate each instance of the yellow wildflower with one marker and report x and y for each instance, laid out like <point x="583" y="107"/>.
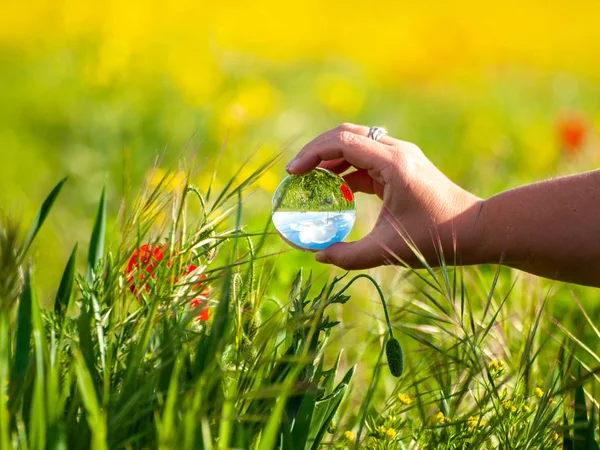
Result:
<point x="349" y="436"/>
<point x="404" y="399"/>
<point x="473" y="422"/>
<point x="440" y="419"/>
<point x="390" y="433"/>
<point x="380" y="431"/>
<point x="496" y="366"/>
<point x="526" y="408"/>
<point x="509" y="406"/>
<point x="554" y="436"/>
<point x="539" y="392"/>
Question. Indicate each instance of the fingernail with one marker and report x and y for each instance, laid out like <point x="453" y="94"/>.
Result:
<point x="293" y="163"/>
<point x="322" y="257"/>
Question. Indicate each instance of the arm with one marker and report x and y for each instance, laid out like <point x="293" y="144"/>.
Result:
<point x="550" y="229"/>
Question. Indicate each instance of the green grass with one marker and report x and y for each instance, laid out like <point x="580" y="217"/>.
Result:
<point x="118" y="360"/>
<point x="314" y="191"/>
<point x="107" y="371"/>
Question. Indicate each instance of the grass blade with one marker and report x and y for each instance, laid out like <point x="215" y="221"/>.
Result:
<point x="325" y="410"/>
<point x="4" y="366"/>
<point x="23" y="335"/>
<point x="580" y="421"/>
<point x="65" y="289"/>
<point x="39" y="410"/>
<point x="97" y="240"/>
<point x="167" y="429"/>
<point x="95" y="415"/>
<point x="41" y="216"/>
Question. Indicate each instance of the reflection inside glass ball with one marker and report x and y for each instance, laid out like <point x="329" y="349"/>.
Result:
<point x="313" y="210"/>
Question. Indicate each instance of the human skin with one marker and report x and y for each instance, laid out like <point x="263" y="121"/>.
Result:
<point x="548" y="228"/>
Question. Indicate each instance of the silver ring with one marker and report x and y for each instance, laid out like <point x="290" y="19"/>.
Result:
<point x="377" y="133"/>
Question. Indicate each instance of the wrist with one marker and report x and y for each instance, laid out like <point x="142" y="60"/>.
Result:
<point x="469" y="238"/>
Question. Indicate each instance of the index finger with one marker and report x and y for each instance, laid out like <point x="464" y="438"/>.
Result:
<point x="336" y="165"/>
<point x="341" y="142"/>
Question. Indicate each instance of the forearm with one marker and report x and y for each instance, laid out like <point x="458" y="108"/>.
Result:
<point x="551" y="228"/>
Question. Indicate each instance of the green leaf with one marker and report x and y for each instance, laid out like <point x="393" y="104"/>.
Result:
<point x="41" y="216"/>
<point x="302" y="299"/>
<point x="97" y="240"/>
<point x="330" y="376"/>
<point x="318" y="373"/>
<point x="287" y="439"/>
<point x="99" y="330"/>
<point x="326" y="324"/>
<point x="5" y="416"/>
<point x="296" y="287"/>
<point x="40" y="408"/>
<point x="85" y="339"/>
<point x="591" y="439"/>
<point x="95" y="415"/>
<point x="567" y="440"/>
<point x="324" y="412"/>
<point x="65" y="289"/>
<point x="168" y="429"/>
<point x="24" y="326"/>
<point x="342" y="299"/>
<point x="302" y="421"/>
<point x="242" y="435"/>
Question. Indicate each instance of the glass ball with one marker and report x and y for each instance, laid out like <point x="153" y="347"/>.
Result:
<point x="313" y="210"/>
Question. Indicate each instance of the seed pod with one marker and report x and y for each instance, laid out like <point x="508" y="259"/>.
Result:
<point x="395" y="357"/>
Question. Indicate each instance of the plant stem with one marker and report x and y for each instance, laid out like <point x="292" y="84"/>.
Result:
<point x="381" y="297"/>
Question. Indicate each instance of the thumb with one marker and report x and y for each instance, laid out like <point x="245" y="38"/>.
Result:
<point x="365" y="253"/>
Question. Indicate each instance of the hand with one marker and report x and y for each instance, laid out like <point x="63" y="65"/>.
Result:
<point x="420" y="204"/>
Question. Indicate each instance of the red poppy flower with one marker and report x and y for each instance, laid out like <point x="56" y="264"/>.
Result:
<point x="202" y="295"/>
<point x="202" y="317"/>
<point x="572" y="129"/>
<point x="148" y="257"/>
<point x="347" y="192"/>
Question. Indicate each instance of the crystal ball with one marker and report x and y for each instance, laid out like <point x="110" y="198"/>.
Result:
<point x="313" y="210"/>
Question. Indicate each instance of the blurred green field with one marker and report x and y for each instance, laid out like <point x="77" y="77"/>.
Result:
<point x="488" y="132"/>
<point x="495" y="97"/>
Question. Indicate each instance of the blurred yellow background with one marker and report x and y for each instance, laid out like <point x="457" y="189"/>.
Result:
<point x="496" y="93"/>
<point x="186" y="40"/>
